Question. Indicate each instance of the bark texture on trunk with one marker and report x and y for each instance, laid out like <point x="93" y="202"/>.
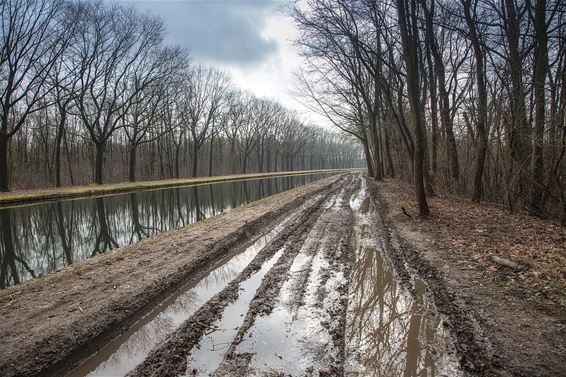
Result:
<point x="409" y="35"/>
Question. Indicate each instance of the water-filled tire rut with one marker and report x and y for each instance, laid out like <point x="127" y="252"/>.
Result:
<point x="325" y="223"/>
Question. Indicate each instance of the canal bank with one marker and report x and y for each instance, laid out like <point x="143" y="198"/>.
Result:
<point x="41" y="195"/>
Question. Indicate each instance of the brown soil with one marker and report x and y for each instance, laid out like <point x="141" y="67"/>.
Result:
<point x="507" y="322"/>
<point x="50" y="324"/>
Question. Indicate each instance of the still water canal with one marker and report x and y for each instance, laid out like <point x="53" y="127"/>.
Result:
<point x="41" y="238"/>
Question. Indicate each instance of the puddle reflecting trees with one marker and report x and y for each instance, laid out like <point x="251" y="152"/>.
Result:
<point x="390" y="332"/>
<point x="41" y="238"/>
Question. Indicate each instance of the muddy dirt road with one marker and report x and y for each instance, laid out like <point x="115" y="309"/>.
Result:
<point x="307" y="303"/>
<point x="308" y="291"/>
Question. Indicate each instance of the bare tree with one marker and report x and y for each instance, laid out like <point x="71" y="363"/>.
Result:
<point x="34" y="35"/>
<point x="205" y="92"/>
<point x="410" y="41"/>
<point x="115" y="44"/>
<point x="153" y="86"/>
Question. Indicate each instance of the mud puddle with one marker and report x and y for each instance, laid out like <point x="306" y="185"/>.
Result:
<point x="300" y="336"/>
<point x="209" y="352"/>
<point x="121" y="355"/>
<point x="296" y="336"/>
<point x="390" y="332"/>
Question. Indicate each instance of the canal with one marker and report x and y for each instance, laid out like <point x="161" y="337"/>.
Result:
<point x="41" y="238"/>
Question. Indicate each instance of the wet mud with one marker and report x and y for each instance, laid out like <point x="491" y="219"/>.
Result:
<point x="172" y="357"/>
<point x="321" y="298"/>
<point x="390" y="332"/>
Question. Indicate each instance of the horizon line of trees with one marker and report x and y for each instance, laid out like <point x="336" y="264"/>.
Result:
<point x="89" y="91"/>
<point x="457" y="96"/>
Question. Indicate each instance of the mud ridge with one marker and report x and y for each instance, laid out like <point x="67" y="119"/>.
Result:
<point x="56" y="355"/>
<point x="170" y="358"/>
<point x="473" y="346"/>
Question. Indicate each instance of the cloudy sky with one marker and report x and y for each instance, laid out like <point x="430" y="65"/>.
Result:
<point x="252" y="40"/>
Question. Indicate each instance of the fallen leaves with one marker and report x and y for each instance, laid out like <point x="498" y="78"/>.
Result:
<point x="477" y="233"/>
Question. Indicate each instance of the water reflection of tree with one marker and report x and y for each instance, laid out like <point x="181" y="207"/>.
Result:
<point x="387" y="331"/>
<point x="8" y="270"/>
<point x="179" y="206"/>
<point x="65" y="233"/>
<point x="198" y="211"/>
<point x="212" y="204"/>
<point x="137" y="228"/>
<point x="104" y="240"/>
<point x="246" y="193"/>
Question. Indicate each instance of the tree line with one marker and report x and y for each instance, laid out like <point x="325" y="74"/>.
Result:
<point x="463" y="96"/>
<point x="90" y="92"/>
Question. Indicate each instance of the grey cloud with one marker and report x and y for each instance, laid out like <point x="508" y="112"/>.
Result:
<point x="220" y="31"/>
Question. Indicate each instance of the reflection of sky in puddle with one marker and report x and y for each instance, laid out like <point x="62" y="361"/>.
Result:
<point x="138" y="345"/>
<point x="388" y="332"/>
<point x="208" y="354"/>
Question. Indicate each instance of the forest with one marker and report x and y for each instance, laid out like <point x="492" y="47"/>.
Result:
<point x="464" y="97"/>
<point x="91" y="93"/>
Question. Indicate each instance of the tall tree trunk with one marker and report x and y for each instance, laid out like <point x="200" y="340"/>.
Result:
<point x="195" y="159"/>
<point x="4" y="171"/>
<point x="132" y="163"/>
<point x="232" y="154"/>
<point x="438" y="80"/>
<point x="409" y="40"/>
<point x="520" y="134"/>
<point x="481" y="124"/>
<point x="433" y="116"/>
<point x="210" y="155"/>
<point x="99" y="163"/>
<point x="539" y="78"/>
<point x="390" y="168"/>
<point x="58" y="142"/>
<point x="68" y="153"/>
<point x="367" y="154"/>
<point x="377" y="166"/>
<point x="177" y="155"/>
<point x="261" y="155"/>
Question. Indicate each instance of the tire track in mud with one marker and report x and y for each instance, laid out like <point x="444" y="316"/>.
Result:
<point x="57" y="339"/>
<point x="311" y="292"/>
<point x="171" y="357"/>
